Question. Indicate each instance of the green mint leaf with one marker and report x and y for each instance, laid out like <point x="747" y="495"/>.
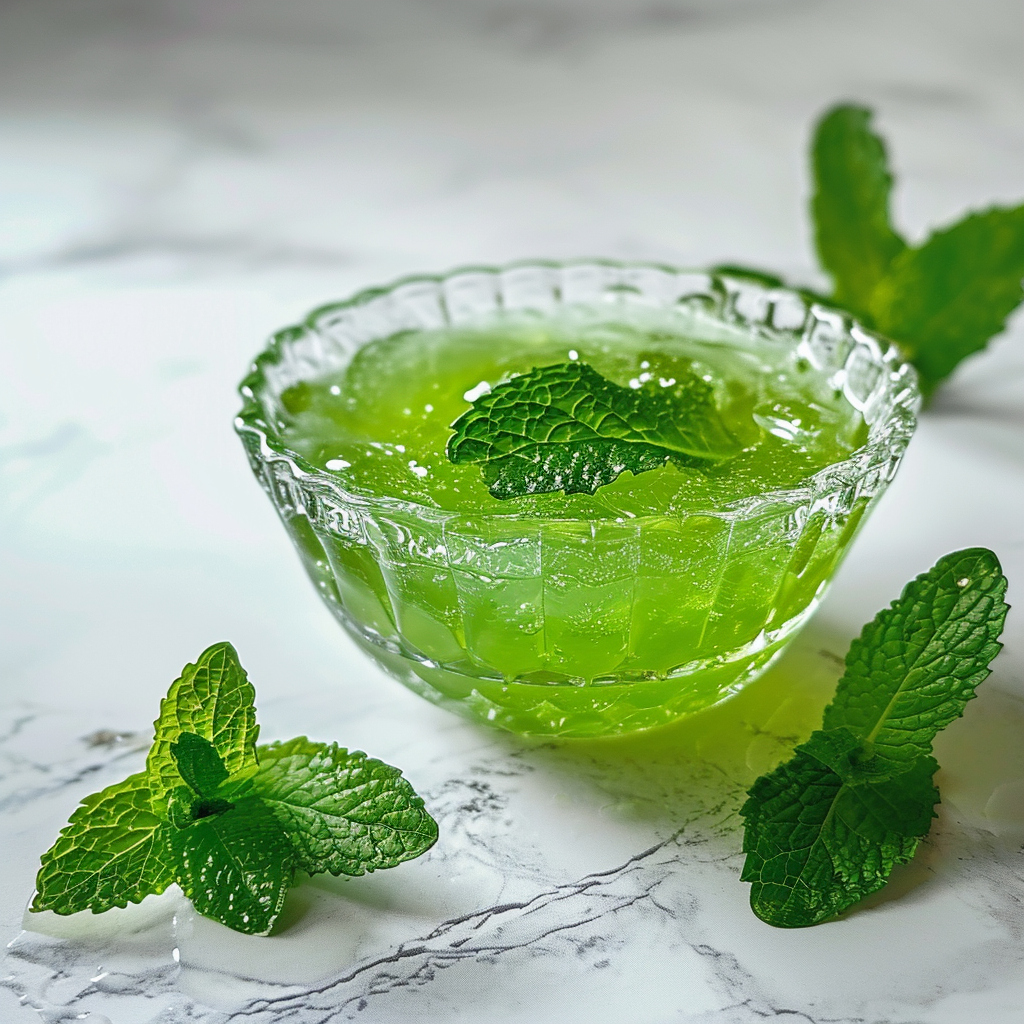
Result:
<point x="113" y="852"/>
<point x="344" y="812"/>
<point x="816" y="843"/>
<point x="845" y="753"/>
<point x="566" y="428"/>
<point x="917" y="663"/>
<point x="827" y="827"/>
<point x="195" y="816"/>
<point x="850" y="207"/>
<point x="214" y="700"/>
<point x="184" y="807"/>
<point x="235" y="866"/>
<point x="202" y="769"/>
<point x="945" y="300"/>
<point x="198" y="763"/>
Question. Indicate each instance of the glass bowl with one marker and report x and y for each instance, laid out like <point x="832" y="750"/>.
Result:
<point x="669" y="614"/>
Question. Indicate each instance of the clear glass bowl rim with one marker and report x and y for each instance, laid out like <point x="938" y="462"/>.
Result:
<point x="882" y="447"/>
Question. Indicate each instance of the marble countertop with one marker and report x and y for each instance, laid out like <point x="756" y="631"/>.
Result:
<point x="180" y="177"/>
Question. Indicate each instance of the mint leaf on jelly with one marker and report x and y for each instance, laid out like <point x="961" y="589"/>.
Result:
<point x="566" y="428"/>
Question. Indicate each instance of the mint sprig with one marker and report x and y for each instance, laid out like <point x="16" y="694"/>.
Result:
<point x="826" y="828"/>
<point x="940" y="301"/>
<point x="566" y="428"/>
<point x="230" y="822"/>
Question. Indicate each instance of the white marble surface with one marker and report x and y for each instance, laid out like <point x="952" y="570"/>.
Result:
<point x="180" y="177"/>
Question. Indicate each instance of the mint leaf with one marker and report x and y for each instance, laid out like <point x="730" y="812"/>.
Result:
<point x="850" y="207"/>
<point x="195" y="816"/>
<point x="113" y="852"/>
<point x="343" y="812"/>
<point x="844" y="752"/>
<point x="827" y="827"/>
<point x="214" y="700"/>
<point x="235" y="866"/>
<point x="198" y="763"/>
<point x="943" y="301"/>
<point x="566" y="428"/>
<point x="204" y="772"/>
<point x="917" y="663"/>
<point x="184" y="807"/>
<point x="816" y="843"/>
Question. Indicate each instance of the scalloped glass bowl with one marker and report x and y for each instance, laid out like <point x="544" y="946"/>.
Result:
<point x="672" y="613"/>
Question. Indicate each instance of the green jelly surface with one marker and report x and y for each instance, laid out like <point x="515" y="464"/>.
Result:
<point x="571" y="614"/>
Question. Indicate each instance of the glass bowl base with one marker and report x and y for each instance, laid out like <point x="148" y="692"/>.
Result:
<point x="574" y="710"/>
